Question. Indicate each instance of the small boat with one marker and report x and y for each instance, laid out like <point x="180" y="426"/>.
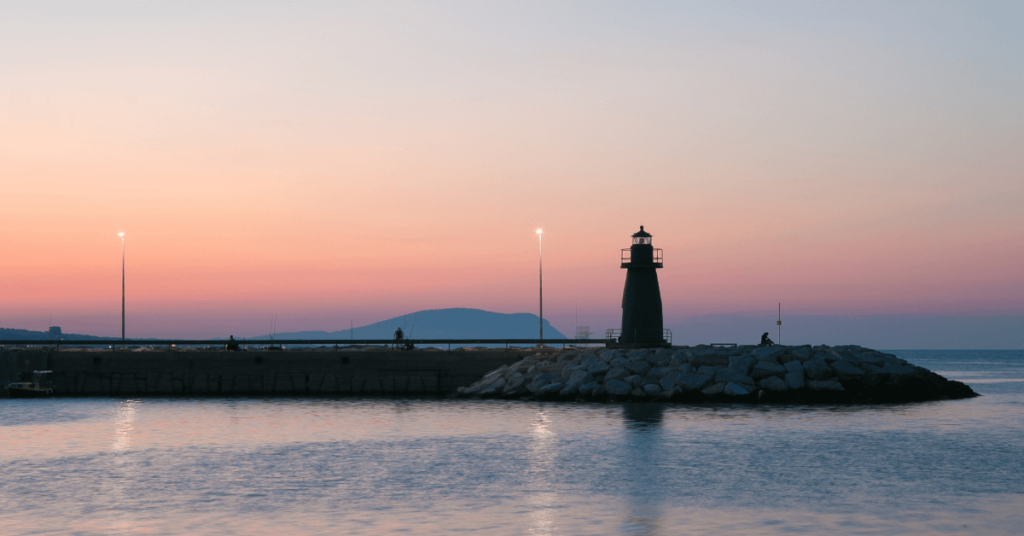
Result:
<point x="40" y="387"/>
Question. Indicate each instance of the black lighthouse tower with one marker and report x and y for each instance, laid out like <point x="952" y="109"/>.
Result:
<point x="642" y="323"/>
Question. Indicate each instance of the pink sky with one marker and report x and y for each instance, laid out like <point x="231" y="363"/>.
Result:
<point x="324" y="164"/>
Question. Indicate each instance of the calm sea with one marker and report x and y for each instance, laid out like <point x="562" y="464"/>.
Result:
<point x="371" y="466"/>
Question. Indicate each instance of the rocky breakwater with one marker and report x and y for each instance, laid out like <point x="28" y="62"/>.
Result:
<point x="746" y="373"/>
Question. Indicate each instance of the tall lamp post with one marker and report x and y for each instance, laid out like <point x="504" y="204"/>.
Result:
<point x="122" y="288"/>
<point x="540" y="253"/>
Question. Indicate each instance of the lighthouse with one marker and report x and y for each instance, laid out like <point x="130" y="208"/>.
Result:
<point x="642" y="323"/>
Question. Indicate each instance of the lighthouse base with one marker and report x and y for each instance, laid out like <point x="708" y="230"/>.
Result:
<point x="615" y="339"/>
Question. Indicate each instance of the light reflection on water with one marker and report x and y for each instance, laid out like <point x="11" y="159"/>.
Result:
<point x="124" y="425"/>
<point x="541" y="454"/>
<point x="295" y="466"/>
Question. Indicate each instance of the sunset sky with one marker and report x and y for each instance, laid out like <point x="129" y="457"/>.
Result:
<point x="332" y="163"/>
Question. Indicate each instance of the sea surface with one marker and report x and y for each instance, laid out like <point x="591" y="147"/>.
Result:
<point x="379" y="466"/>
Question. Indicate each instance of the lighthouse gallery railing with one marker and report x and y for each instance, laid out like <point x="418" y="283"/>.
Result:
<point x="626" y="258"/>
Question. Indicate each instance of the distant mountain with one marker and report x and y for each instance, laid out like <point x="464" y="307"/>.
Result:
<point x="7" y="334"/>
<point x="440" y="324"/>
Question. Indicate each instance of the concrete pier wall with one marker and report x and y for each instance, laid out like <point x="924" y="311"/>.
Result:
<point x="314" y="372"/>
<point x="14" y="363"/>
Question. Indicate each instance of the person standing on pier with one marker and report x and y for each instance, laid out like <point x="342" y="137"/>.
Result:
<point x="399" y="336"/>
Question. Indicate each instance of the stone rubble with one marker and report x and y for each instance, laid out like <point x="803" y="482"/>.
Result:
<point x="802" y="374"/>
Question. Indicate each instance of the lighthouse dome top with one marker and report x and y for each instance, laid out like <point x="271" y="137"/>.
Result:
<point x="641" y="236"/>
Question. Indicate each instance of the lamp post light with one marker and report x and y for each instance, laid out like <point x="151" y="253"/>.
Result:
<point x="122" y="288"/>
<point x="540" y="253"/>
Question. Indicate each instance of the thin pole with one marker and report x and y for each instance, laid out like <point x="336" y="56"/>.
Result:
<point x="540" y="250"/>
<point x="780" y="323"/>
<point x="122" y="292"/>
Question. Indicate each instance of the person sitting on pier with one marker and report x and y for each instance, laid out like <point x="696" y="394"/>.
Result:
<point x="765" y="341"/>
<point x="232" y="345"/>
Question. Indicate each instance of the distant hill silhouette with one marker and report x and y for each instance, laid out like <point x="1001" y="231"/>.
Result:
<point x="456" y="323"/>
<point x="8" y="334"/>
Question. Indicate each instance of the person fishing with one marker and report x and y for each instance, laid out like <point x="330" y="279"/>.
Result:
<point x="399" y="335"/>
<point x="232" y="345"/>
<point x="765" y="341"/>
